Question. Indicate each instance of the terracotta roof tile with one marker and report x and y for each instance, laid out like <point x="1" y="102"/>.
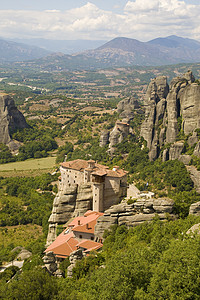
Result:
<point x="67" y="242"/>
<point x="88" y="244"/>
<point x="100" y="170"/>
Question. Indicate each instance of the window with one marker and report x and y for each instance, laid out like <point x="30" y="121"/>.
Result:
<point x="80" y="236"/>
<point x="92" y="238"/>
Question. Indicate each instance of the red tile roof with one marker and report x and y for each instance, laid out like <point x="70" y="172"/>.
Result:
<point x="100" y="170"/>
<point x="89" y="245"/>
<point x="67" y="242"/>
<point x="64" y="244"/>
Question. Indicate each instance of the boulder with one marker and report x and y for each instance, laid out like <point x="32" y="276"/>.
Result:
<point x="195" y="209"/>
<point x="185" y="159"/>
<point x="194" y="229"/>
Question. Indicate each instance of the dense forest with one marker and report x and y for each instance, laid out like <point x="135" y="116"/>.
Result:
<point x="151" y="261"/>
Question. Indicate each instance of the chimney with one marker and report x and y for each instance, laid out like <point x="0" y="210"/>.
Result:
<point x="87" y="226"/>
<point x="91" y="164"/>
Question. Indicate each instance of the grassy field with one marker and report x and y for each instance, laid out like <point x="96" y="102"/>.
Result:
<point x="30" y="167"/>
<point x="20" y="235"/>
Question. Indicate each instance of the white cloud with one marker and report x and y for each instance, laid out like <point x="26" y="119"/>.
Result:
<point x="140" y="19"/>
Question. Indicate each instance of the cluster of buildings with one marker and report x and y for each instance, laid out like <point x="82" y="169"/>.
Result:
<point x="108" y="187"/>
<point x="78" y="234"/>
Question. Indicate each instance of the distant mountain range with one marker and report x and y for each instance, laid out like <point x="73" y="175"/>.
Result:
<point x="118" y="52"/>
<point x="11" y="51"/>
<point x="64" y="46"/>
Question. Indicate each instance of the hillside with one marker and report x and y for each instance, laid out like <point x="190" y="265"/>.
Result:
<point x="12" y="51"/>
<point x="121" y="52"/>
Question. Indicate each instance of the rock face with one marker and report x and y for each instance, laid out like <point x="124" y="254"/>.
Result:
<point x="134" y="214"/>
<point x="197" y="149"/>
<point x="195" y="209"/>
<point x="74" y="256"/>
<point x="69" y="202"/>
<point x="104" y="138"/>
<point x="50" y="262"/>
<point x="127" y="107"/>
<point x="195" y="176"/>
<point x="170" y="109"/>
<point x="117" y="135"/>
<point x="10" y="118"/>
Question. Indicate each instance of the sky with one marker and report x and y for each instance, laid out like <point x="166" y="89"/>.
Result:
<point x="99" y="19"/>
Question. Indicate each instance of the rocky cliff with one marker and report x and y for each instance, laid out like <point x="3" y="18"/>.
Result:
<point x="126" y="110"/>
<point x="171" y="111"/>
<point x="10" y="118"/>
<point x="69" y="202"/>
<point x="143" y="210"/>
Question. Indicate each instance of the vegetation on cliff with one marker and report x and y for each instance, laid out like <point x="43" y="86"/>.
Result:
<point x="150" y="261"/>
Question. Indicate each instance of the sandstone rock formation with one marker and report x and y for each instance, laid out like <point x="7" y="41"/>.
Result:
<point x="117" y="135"/>
<point x="10" y="119"/>
<point x="69" y="202"/>
<point x="197" y="149"/>
<point x="127" y="107"/>
<point x="195" y="176"/>
<point x="194" y="229"/>
<point x="133" y="214"/>
<point x="195" y="209"/>
<point x="74" y="256"/>
<point x="170" y="109"/>
<point x="50" y="262"/>
<point x="104" y="138"/>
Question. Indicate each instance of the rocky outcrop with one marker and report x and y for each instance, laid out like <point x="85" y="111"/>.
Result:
<point x="195" y="209"/>
<point x="74" y="256"/>
<point x="127" y="107"/>
<point x="197" y="149"/>
<point x="71" y="201"/>
<point x="50" y="262"/>
<point x="195" y="229"/>
<point x="104" y="138"/>
<point x="170" y="109"/>
<point x="117" y="135"/>
<point x="83" y="200"/>
<point x="195" y="176"/>
<point x="176" y="150"/>
<point x="143" y="210"/>
<point x="10" y="119"/>
<point x="155" y="104"/>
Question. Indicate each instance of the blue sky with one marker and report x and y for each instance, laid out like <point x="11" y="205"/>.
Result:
<point x="99" y="19"/>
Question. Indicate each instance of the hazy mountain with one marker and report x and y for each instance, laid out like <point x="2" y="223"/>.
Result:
<point x="12" y="51"/>
<point x="174" y="41"/>
<point x="118" y="52"/>
<point x="160" y="51"/>
<point x="64" y="46"/>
